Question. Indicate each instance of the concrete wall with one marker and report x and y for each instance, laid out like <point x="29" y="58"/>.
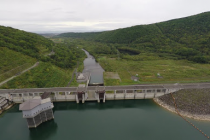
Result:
<point x="122" y="96"/>
<point x="64" y="98"/>
<point x="110" y="95"/>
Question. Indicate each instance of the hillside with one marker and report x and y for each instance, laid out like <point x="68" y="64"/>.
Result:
<point x="44" y="75"/>
<point x="187" y="38"/>
<point x="27" y="43"/>
<point x="20" y="50"/>
<point x="65" y="55"/>
<point x="12" y="63"/>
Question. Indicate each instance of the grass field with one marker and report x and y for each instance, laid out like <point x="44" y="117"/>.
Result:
<point x="12" y="62"/>
<point x="44" y="75"/>
<point x="171" y="71"/>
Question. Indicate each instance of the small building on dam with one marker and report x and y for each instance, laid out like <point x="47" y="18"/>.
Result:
<point x="37" y="110"/>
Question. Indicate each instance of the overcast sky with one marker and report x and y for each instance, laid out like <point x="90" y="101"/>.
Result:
<point x="93" y="15"/>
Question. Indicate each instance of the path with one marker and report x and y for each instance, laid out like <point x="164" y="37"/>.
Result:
<point x="5" y="81"/>
<point x="72" y="77"/>
<point x="110" y="88"/>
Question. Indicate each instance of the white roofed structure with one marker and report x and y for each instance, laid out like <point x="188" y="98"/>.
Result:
<point x="37" y="110"/>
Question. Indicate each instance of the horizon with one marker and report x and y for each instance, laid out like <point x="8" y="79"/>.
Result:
<point x="60" y="32"/>
<point x="113" y="29"/>
<point x="60" y="16"/>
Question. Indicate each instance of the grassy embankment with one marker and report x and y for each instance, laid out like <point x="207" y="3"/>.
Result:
<point x="44" y="75"/>
<point x="171" y="71"/>
<point x="11" y="63"/>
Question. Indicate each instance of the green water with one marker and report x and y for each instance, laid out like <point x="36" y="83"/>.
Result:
<point x="113" y="120"/>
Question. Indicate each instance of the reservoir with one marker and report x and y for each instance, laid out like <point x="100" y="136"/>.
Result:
<point x="96" y="71"/>
<point x="113" y="120"/>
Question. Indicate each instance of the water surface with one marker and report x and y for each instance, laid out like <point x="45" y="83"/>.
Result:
<point x="113" y="120"/>
<point x="90" y="65"/>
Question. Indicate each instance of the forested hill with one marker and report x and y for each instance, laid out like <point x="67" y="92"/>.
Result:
<point x="64" y="55"/>
<point x="177" y="29"/>
<point x="27" y="43"/>
<point x="187" y="37"/>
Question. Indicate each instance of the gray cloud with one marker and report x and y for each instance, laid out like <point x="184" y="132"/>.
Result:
<point x="92" y="15"/>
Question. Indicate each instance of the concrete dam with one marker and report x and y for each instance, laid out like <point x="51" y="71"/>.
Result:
<point x="98" y="93"/>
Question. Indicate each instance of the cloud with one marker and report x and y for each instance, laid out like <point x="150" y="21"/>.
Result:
<point x="87" y="15"/>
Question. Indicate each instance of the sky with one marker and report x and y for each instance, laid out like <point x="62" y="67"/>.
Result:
<point x="57" y="16"/>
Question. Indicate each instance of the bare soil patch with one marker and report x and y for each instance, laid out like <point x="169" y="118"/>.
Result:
<point x="112" y="75"/>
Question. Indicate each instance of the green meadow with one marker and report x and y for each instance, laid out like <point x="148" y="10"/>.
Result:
<point x="155" y="71"/>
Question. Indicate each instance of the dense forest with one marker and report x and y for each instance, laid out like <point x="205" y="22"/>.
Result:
<point x="185" y="38"/>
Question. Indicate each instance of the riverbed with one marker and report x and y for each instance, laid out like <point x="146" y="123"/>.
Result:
<point x="113" y="120"/>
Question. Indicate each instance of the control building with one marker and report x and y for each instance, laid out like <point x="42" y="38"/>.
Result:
<point x="37" y="110"/>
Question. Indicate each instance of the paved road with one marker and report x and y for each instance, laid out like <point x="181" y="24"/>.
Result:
<point x="111" y="88"/>
<point x="5" y="81"/>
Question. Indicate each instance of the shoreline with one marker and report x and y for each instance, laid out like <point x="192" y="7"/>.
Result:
<point x="183" y="113"/>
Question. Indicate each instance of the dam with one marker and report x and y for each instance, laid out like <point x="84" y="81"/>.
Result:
<point x="98" y="93"/>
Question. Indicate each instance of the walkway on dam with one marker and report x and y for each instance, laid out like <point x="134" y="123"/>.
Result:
<point x="98" y="93"/>
<point x="109" y="88"/>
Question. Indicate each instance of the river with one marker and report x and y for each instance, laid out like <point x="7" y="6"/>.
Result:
<point x="113" y="120"/>
<point x="96" y="71"/>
